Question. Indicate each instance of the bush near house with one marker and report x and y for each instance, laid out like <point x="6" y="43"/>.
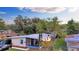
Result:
<point x="59" y="44"/>
<point x="46" y="44"/>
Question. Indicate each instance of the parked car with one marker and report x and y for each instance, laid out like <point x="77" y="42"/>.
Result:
<point x="5" y="44"/>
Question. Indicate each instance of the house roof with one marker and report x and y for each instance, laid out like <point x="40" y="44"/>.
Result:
<point x="32" y="36"/>
<point x="77" y="46"/>
<point x="74" y="38"/>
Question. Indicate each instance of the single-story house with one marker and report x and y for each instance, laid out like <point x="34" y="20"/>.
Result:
<point x="30" y="41"/>
<point x="72" y="42"/>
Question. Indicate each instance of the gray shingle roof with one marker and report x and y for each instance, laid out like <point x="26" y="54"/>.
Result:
<point x="32" y="36"/>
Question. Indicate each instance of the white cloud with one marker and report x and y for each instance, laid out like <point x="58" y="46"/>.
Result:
<point x="73" y="9"/>
<point x="1" y="12"/>
<point x="44" y="9"/>
<point x="53" y="9"/>
<point x="9" y="22"/>
<point x="50" y="9"/>
<point x="47" y="9"/>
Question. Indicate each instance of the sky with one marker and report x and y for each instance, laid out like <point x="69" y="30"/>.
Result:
<point x="64" y="14"/>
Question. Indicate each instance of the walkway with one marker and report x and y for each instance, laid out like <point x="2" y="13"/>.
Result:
<point x="21" y="48"/>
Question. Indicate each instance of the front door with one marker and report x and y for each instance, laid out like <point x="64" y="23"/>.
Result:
<point x="34" y="42"/>
<point x="31" y="42"/>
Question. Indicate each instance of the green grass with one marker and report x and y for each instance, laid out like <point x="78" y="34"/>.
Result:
<point x="12" y="49"/>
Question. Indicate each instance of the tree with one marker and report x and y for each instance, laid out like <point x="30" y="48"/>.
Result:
<point x="35" y="20"/>
<point x="71" y="29"/>
<point x="2" y="24"/>
<point x="41" y="26"/>
<point x="30" y="29"/>
<point x="26" y="25"/>
<point x="14" y="27"/>
<point x="19" y="22"/>
<point x="76" y="27"/>
<point x="55" y="27"/>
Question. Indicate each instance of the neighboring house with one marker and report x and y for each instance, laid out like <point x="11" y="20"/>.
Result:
<point x="72" y="42"/>
<point x="8" y="33"/>
<point x="30" y="41"/>
<point x="4" y="42"/>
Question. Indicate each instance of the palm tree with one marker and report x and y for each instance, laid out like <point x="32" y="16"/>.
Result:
<point x="56" y="28"/>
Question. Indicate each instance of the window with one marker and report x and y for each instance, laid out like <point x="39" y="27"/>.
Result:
<point x="8" y="41"/>
<point x="0" y="42"/>
<point x="21" y="42"/>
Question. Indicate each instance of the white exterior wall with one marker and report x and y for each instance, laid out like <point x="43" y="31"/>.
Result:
<point x="70" y="49"/>
<point x="17" y="42"/>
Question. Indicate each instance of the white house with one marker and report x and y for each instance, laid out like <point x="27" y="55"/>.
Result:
<point x="31" y="41"/>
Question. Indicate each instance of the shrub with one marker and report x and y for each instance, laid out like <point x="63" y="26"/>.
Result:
<point x="59" y="44"/>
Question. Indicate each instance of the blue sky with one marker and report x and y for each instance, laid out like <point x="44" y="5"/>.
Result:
<point x="63" y="13"/>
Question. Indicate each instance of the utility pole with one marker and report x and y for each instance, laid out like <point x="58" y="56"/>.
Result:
<point x="40" y="37"/>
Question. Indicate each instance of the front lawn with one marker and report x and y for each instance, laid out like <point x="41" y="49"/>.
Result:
<point x="13" y="49"/>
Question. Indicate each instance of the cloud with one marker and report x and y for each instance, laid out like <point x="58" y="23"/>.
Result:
<point x="1" y="12"/>
<point x="73" y="9"/>
<point x="9" y="22"/>
<point x="54" y="9"/>
<point x="47" y="9"/>
<point x="44" y="9"/>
